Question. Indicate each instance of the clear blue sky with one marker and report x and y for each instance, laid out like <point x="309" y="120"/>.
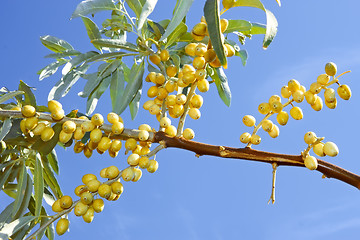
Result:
<point x="212" y="198"/>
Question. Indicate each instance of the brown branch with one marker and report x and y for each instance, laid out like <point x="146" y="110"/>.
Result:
<point x="328" y="169"/>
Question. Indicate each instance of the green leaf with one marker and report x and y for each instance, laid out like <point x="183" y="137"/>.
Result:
<point x="46" y="147"/>
<point x="132" y="87"/>
<point x="116" y="43"/>
<point x="51" y="69"/>
<point x="212" y="17"/>
<point x="50" y="232"/>
<point x="145" y="12"/>
<point x="271" y="22"/>
<point x="136" y="6"/>
<point x="176" y="59"/>
<point x="238" y="25"/>
<point x="4" y="175"/>
<point x="77" y="60"/>
<point x="117" y="86"/>
<point x="16" y="225"/>
<point x="66" y="53"/>
<point x="181" y="9"/>
<point x="53" y="160"/>
<point x="21" y="189"/>
<point x="29" y="96"/>
<point x="257" y="28"/>
<point x="38" y="184"/>
<point x="134" y="105"/>
<point x="92" y="30"/>
<point x="5" y="215"/>
<point x="94" y="96"/>
<point x="20" y="235"/>
<point x="5" y="129"/>
<point x="10" y="95"/>
<point x="50" y="178"/>
<point x="63" y="86"/>
<point x="177" y="32"/>
<point x="222" y="85"/>
<point x="106" y="56"/>
<point x="92" y="6"/>
<point x="243" y="55"/>
<point x="55" y="44"/>
<point x="48" y="197"/>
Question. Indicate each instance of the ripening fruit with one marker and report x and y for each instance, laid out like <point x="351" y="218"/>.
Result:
<point x="296" y="113"/>
<point x="79" y="190"/>
<point x="165" y="122"/>
<point x="180" y="99"/>
<point x="171" y="130"/>
<point x="104" y="191"/>
<point x="230" y="50"/>
<point x="199" y="30"/>
<point x="148" y="104"/>
<point x="112" y="117"/>
<point x="64" y="137"/>
<point x="267" y="125"/>
<point x="228" y="3"/>
<point x="171" y="70"/>
<point x="69" y="127"/>
<point x="310" y="138"/>
<point x="315" y="88"/>
<point x="117" y="188"/>
<point x="98" y="205"/>
<point x="302" y="88"/>
<point x="255" y="139"/>
<point x="210" y="55"/>
<point x="87" y="126"/>
<point x="155" y="59"/>
<point x="200" y="50"/>
<point x="224" y="23"/>
<point x="104" y="144"/>
<point x="274" y="98"/>
<point x="298" y="96"/>
<point x="188" y="77"/>
<point x="62" y="226"/>
<point x="282" y="118"/>
<point x="87" y="151"/>
<point x="143" y="135"/>
<point x="319" y="149"/>
<point x="331" y="149"/>
<point x="310" y="98"/>
<point x="344" y="91"/>
<point x="170" y="86"/>
<point x="22" y="126"/>
<point x="190" y="49"/>
<point x="57" y="115"/>
<point x="318" y="105"/>
<point x="28" y="111"/>
<point x="164" y="55"/>
<point x="89" y="215"/>
<point x="264" y="108"/>
<point x="54" y="105"/>
<point x="196" y="101"/>
<point x="194" y="113"/>
<point x="144" y="150"/>
<point x="154" y="109"/>
<point x="31" y="123"/>
<point x="178" y="110"/>
<point x="117" y="128"/>
<point x="47" y="134"/>
<point x="137" y="174"/>
<point x="39" y="128"/>
<point x="96" y="135"/>
<point x="285" y="92"/>
<point x="159" y="79"/>
<point x="329" y="95"/>
<point x="170" y="100"/>
<point x="153" y="166"/>
<point x="65" y="202"/>
<point x="144" y="162"/>
<point x="311" y="162"/>
<point x="97" y="119"/>
<point x="331" y="105"/>
<point x="197" y="37"/>
<point x="91" y="145"/>
<point x="86" y="198"/>
<point x="200" y="74"/>
<point x="203" y="85"/>
<point x="130" y="144"/>
<point x="93" y="185"/>
<point x="249" y="120"/>
<point x="112" y="172"/>
<point x="115" y="145"/>
<point x="275" y="131"/>
<point x="128" y="174"/>
<point x="245" y="137"/>
<point x="87" y="177"/>
<point x="293" y="85"/>
<point x="330" y="69"/>
<point x="199" y="62"/>
<point x="152" y="92"/>
<point x="56" y="206"/>
<point x="276" y="107"/>
<point x="323" y="79"/>
<point x="80" y="209"/>
<point x="188" y="134"/>
<point x="133" y="159"/>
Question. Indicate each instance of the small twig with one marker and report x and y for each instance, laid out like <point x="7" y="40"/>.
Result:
<point x="186" y="110"/>
<point x="272" y="196"/>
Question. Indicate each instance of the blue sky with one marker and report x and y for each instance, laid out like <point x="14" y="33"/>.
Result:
<point x="207" y="197"/>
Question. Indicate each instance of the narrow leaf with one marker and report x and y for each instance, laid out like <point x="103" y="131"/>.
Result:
<point x="50" y="69"/>
<point x="50" y="232"/>
<point x="13" y="227"/>
<point x="4" y="175"/>
<point x="21" y="189"/>
<point x="25" y="197"/>
<point x="212" y="16"/>
<point x="105" y="56"/>
<point x="38" y="184"/>
<point x="222" y="85"/>
<point x="181" y="9"/>
<point x="66" y="53"/>
<point x="53" y="160"/>
<point x="5" y="215"/>
<point x="243" y="55"/>
<point x="10" y="95"/>
<point x="135" y="104"/>
<point x="136" y="6"/>
<point x="55" y="44"/>
<point x="94" y="97"/>
<point x="271" y="28"/>
<point x="117" y="86"/>
<point x="145" y="12"/>
<point x="50" y="178"/>
<point x="238" y="25"/>
<point x="48" y="197"/>
<point x="29" y="95"/>
<point x="177" y="32"/>
<point x="46" y="147"/>
<point x="77" y="60"/>
<point x="92" y="30"/>
<point x="92" y="6"/>
<point x="133" y="85"/>
<point x="5" y="129"/>
<point x="115" y="43"/>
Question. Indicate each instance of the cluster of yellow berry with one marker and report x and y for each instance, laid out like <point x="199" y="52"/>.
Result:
<point x="321" y="149"/>
<point x="294" y="92"/>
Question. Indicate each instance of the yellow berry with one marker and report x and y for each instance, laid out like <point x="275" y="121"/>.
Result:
<point x="153" y="166"/>
<point x="112" y="117"/>
<point x="197" y="37"/>
<point x="171" y="130"/>
<point x="98" y="205"/>
<point x="310" y="138"/>
<point x="331" y="149"/>
<point x="319" y="149"/>
<point x="137" y="174"/>
<point x="128" y="174"/>
<point x="224" y="23"/>
<point x="87" y="126"/>
<point x="47" y="134"/>
<point x="143" y="135"/>
<point x="79" y="190"/>
<point x="164" y="55"/>
<point x="200" y="50"/>
<point x="117" y="128"/>
<point x="97" y="119"/>
<point x="200" y="29"/>
<point x="155" y="59"/>
<point x="102" y="173"/>
<point x="104" y="144"/>
<point x="194" y="113"/>
<point x="57" y="115"/>
<point x="293" y="85"/>
<point x="104" y="191"/>
<point x="56" y="207"/>
<point x="171" y="70"/>
<point x="180" y="99"/>
<point x="117" y="188"/>
<point x="276" y="107"/>
<point x="298" y="96"/>
<point x="249" y="120"/>
<point x="203" y="85"/>
<point x="93" y="185"/>
<point x="264" y="108"/>
<point x="228" y="3"/>
<point x="274" y="98"/>
<point x="96" y="135"/>
<point x="144" y="150"/>
<point x="64" y="137"/>
<point x="199" y="62"/>
<point x="315" y="88"/>
<point x="89" y="215"/>
<point x="133" y="159"/>
<point x="86" y="198"/>
<point x="115" y="145"/>
<point x="87" y="177"/>
<point x="229" y="49"/>
<point x="188" y="134"/>
<point x="330" y="69"/>
<point x="79" y="147"/>
<point x="245" y="137"/>
<point x="148" y="104"/>
<point x="344" y="91"/>
<point x="210" y="55"/>
<point x="80" y="209"/>
<point x="165" y="122"/>
<point x="159" y="79"/>
<point x="92" y="145"/>
<point x="329" y="95"/>
<point x="282" y="118"/>
<point x="31" y="123"/>
<point x="311" y="162"/>
<point x="255" y="139"/>
<point x="130" y="144"/>
<point x="54" y="105"/>
<point x="111" y="172"/>
<point x="318" y="105"/>
<point x="87" y="151"/>
<point x="331" y="105"/>
<point x="285" y="92"/>
<point x="190" y="49"/>
<point x="275" y="131"/>
<point x="296" y="113"/>
<point x="144" y="162"/>
<point x="310" y="97"/>
<point x="323" y="79"/>
<point x="154" y="109"/>
<point x="39" y="128"/>
<point x="267" y="125"/>
<point x="62" y="226"/>
<point x="152" y="91"/>
<point x="65" y="202"/>
<point x="28" y="111"/>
